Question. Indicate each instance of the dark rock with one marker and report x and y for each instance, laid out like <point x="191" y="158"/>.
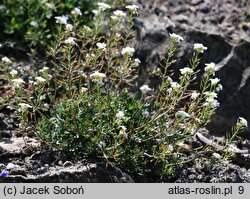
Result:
<point x="235" y="97"/>
<point x="196" y="2"/>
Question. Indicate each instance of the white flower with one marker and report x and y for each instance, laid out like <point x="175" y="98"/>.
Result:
<point x="70" y="40"/>
<point x="76" y="12"/>
<point x="199" y="48"/>
<point x="6" y="60"/>
<point x="170" y="80"/>
<point x="69" y="27"/>
<point x="212" y="102"/>
<point x="83" y="90"/>
<point x="103" y="6"/>
<point x="137" y="62"/>
<point x="170" y="90"/>
<point x="101" y="46"/>
<point x="216" y="155"/>
<point x="211" y="68"/>
<point x="97" y="76"/>
<point x="144" y="89"/>
<point x="243" y="122"/>
<point x="211" y="95"/>
<point x="18" y="81"/>
<point x="34" y="24"/>
<point x="128" y="51"/>
<point x="214" y="81"/>
<point x="132" y="8"/>
<point x="118" y="35"/>
<point x="175" y="85"/>
<point x="219" y="87"/>
<point x="61" y="19"/>
<point x="24" y="106"/>
<point x="186" y="71"/>
<point x="176" y="38"/>
<point x="40" y="79"/>
<point x="182" y="114"/>
<point x="96" y="12"/>
<point x="13" y="72"/>
<point x="119" y="115"/>
<point x="194" y="95"/>
<point x="118" y="14"/>
<point x="44" y="69"/>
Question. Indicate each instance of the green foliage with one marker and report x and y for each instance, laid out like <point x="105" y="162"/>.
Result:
<point x="31" y="23"/>
<point x="90" y="105"/>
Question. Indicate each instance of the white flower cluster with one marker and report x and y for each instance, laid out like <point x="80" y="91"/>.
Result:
<point x="182" y="114"/>
<point x="144" y="89"/>
<point x="13" y="73"/>
<point x="243" y="122"/>
<point x="103" y="6"/>
<point x="137" y="62"/>
<point x="70" y="40"/>
<point x="62" y="19"/>
<point x="17" y="82"/>
<point x="97" y="77"/>
<point x="199" y="48"/>
<point x="175" y="85"/>
<point x="210" y="68"/>
<point x="133" y="8"/>
<point x="128" y="51"/>
<point x="23" y="107"/>
<point x="76" y="12"/>
<point x="40" y="80"/>
<point x="34" y="24"/>
<point x="69" y="27"/>
<point x="186" y="71"/>
<point x="195" y="95"/>
<point x="214" y="81"/>
<point x="101" y="46"/>
<point x="120" y="115"/>
<point x="44" y="69"/>
<point x="6" y="60"/>
<point x="210" y="98"/>
<point x="176" y="38"/>
<point x="118" y="15"/>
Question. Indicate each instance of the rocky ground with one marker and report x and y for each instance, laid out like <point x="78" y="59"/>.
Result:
<point x="221" y="25"/>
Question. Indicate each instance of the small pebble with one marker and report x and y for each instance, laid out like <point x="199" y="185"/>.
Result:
<point x="10" y="166"/>
<point x="67" y="164"/>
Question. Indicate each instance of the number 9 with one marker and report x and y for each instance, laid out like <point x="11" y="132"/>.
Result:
<point x="241" y="189"/>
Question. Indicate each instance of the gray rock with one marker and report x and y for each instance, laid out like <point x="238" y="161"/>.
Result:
<point x="231" y="56"/>
<point x="91" y="173"/>
<point x="14" y="145"/>
<point x="67" y="164"/>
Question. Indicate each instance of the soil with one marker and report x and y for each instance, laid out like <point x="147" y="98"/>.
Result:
<point x="229" y="18"/>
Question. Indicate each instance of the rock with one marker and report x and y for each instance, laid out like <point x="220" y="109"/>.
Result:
<point x="235" y="97"/>
<point x="231" y="56"/>
<point x="90" y="173"/>
<point x="67" y="164"/>
<point x="10" y="166"/>
<point x="16" y="145"/>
